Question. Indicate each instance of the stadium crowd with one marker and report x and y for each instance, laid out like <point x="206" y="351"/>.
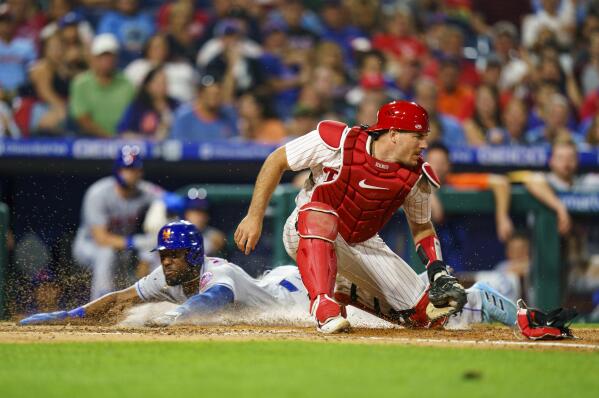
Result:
<point x="518" y="73"/>
<point x="510" y="73"/>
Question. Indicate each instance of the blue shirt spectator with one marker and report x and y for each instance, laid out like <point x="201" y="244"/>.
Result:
<point x="131" y="27"/>
<point x="16" y="54"/>
<point x="208" y="118"/>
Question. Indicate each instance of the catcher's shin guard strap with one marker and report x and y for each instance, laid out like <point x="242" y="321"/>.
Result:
<point x="429" y="249"/>
<point x="316" y="258"/>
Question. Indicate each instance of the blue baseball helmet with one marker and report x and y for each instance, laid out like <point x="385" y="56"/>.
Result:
<point x="182" y="235"/>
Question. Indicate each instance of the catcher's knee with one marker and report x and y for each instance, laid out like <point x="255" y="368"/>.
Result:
<point x="317" y="220"/>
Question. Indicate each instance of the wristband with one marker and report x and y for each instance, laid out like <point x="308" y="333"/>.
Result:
<point x="429" y="250"/>
<point x="129" y="243"/>
<point x="77" y="313"/>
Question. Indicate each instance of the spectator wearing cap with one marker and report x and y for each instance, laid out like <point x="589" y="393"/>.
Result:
<point x="150" y="114"/>
<point x="130" y="26"/>
<point x="197" y="212"/>
<point x="99" y="96"/>
<point x="210" y="117"/>
<point x="65" y="18"/>
<point x="181" y="76"/>
<point x="16" y="54"/>
<point x="443" y="127"/>
<point x="231" y="50"/>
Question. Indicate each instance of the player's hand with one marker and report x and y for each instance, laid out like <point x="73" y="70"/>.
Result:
<point x="248" y="233"/>
<point x="164" y="320"/>
<point x="44" y="317"/>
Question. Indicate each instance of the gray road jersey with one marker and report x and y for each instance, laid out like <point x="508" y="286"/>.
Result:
<point x="103" y="206"/>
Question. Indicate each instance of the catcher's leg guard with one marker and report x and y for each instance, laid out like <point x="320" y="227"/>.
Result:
<point x="316" y="259"/>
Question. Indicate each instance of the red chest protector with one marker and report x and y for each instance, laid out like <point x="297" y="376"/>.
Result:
<point x="367" y="191"/>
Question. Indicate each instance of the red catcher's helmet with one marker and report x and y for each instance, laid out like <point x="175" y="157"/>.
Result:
<point x="401" y="115"/>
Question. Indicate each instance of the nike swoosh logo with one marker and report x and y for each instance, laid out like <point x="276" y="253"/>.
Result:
<point x="363" y="184"/>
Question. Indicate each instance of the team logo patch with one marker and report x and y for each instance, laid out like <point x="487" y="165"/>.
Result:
<point x="206" y="277"/>
<point x="166" y="234"/>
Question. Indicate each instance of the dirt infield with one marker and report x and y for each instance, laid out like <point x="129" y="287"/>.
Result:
<point x="479" y="337"/>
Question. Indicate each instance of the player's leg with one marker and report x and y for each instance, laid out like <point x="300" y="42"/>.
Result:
<point x="495" y="307"/>
<point x="103" y="272"/>
<point x="316" y="229"/>
<point x="381" y="283"/>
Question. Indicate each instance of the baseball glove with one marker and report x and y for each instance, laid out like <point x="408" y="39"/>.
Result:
<point x="538" y="325"/>
<point x="447" y="296"/>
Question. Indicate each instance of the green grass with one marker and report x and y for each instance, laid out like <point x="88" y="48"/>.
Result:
<point x="290" y="369"/>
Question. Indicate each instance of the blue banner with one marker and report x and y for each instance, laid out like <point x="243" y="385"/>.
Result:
<point x="172" y="150"/>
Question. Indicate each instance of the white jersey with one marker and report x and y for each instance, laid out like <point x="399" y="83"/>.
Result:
<point x="278" y="287"/>
<point x="311" y="152"/>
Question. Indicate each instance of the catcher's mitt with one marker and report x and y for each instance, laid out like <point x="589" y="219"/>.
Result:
<point x="447" y="294"/>
<point x="538" y="325"/>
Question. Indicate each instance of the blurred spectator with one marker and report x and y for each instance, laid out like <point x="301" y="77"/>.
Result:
<point x="181" y="76"/>
<point x="329" y="77"/>
<point x="211" y="116"/>
<point x="8" y="126"/>
<point x="505" y="42"/>
<point x="510" y="276"/>
<point x="285" y="68"/>
<point x="304" y="119"/>
<point x="257" y="122"/>
<point x="589" y="78"/>
<point x="16" y="53"/>
<point x="51" y="77"/>
<point x="454" y="98"/>
<point x="336" y="28"/>
<point x="195" y="28"/>
<point x="131" y="26"/>
<point x="555" y="15"/>
<point x="150" y="114"/>
<point x="443" y="127"/>
<point x="363" y="14"/>
<point x="451" y="48"/>
<point x="563" y="166"/>
<point x="367" y="111"/>
<point x="438" y="156"/>
<point x="180" y="31"/>
<point x="231" y="49"/>
<point x="99" y="96"/>
<point x="399" y="41"/>
<point x="63" y="15"/>
<point x="294" y="17"/>
<point x="552" y="69"/>
<point x="484" y="125"/>
<point x="370" y="77"/>
<point x="591" y="134"/>
<point x="407" y="73"/>
<point x="29" y="20"/>
<point x="514" y="119"/>
<point x="111" y="216"/>
<point x="555" y="117"/>
<point x="197" y="212"/>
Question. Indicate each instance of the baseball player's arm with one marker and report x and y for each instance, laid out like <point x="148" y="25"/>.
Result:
<point x="538" y="187"/>
<point x="105" y="238"/>
<point x="95" y="309"/>
<point x="500" y="185"/>
<point x="208" y="302"/>
<point x="249" y="229"/>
